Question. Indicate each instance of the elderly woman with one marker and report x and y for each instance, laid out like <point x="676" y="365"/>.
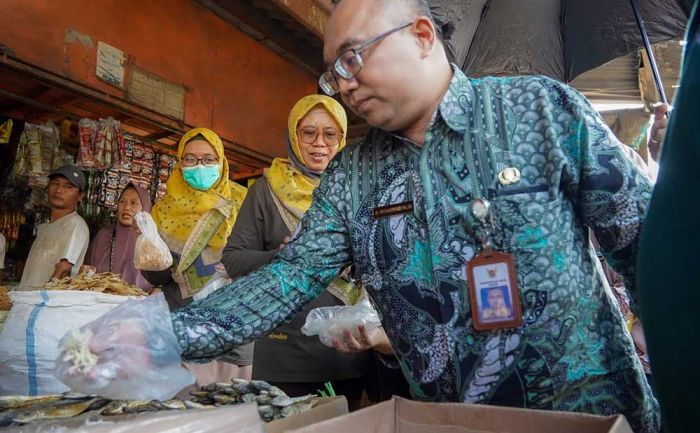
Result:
<point x="112" y="249"/>
<point x="194" y="218"/>
<point x="269" y="215"/>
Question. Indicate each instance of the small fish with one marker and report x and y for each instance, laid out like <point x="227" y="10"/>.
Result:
<point x="296" y="409"/>
<point x="276" y="392"/>
<point x="243" y="388"/>
<point x="248" y="398"/>
<point x="285" y="401"/>
<point x="115" y="407"/>
<point x="54" y="411"/>
<point x="199" y="394"/>
<point x="260" y="385"/>
<point x="264" y="399"/>
<point x="266" y="412"/>
<point x="173" y="404"/>
<point x="17" y="401"/>
<point x="194" y="405"/>
<point x="224" y="399"/>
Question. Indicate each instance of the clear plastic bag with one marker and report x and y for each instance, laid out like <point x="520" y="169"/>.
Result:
<point x="330" y="322"/>
<point x="217" y="281"/>
<point x="150" y="253"/>
<point x="130" y="353"/>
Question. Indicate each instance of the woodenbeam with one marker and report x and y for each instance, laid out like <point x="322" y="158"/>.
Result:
<point x="262" y="28"/>
<point x="102" y="99"/>
<point x="308" y="13"/>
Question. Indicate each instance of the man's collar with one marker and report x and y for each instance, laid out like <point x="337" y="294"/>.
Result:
<point x="457" y="102"/>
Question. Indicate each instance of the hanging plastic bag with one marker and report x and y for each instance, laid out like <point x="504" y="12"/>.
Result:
<point x="151" y="253"/>
<point x="217" y="281"/>
<point x="330" y="322"/>
<point x="87" y="128"/>
<point x="130" y="353"/>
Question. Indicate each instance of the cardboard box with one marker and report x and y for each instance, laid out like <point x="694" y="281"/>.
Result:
<point x="326" y="408"/>
<point x="405" y="416"/>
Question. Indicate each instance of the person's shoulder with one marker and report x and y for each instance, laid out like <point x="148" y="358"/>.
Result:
<point x="76" y="221"/>
<point x="531" y="83"/>
<point x="259" y="190"/>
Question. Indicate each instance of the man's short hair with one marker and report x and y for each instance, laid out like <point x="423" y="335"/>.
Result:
<point x="411" y="8"/>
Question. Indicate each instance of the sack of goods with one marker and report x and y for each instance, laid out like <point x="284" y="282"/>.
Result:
<point x="39" y="319"/>
<point x="151" y="253"/>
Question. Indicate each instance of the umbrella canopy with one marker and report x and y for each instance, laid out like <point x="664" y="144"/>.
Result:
<point x="558" y="38"/>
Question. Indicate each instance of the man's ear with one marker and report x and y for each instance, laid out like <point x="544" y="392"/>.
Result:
<point x="426" y="36"/>
<point x="81" y="196"/>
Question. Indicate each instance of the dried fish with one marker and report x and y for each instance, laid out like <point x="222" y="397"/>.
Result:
<point x="193" y="405"/>
<point x="174" y="404"/>
<point x="272" y="403"/>
<point x="52" y="411"/>
<point x="105" y="282"/>
<point x="260" y="385"/>
<point x="296" y="409"/>
<point x="17" y="401"/>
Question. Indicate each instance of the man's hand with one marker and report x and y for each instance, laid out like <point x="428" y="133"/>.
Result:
<point x="375" y="339"/>
<point x="658" y="131"/>
<point x="62" y="269"/>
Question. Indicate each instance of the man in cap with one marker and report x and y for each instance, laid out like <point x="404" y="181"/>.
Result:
<point x="60" y="245"/>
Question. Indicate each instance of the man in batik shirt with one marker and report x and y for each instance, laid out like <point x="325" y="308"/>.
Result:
<point x="440" y="142"/>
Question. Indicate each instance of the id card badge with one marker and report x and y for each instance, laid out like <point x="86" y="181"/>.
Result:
<point x="493" y="291"/>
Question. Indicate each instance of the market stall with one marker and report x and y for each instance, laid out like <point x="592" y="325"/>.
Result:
<point x="110" y="157"/>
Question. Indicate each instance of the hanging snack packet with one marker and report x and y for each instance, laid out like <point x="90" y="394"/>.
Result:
<point x="151" y="253"/>
<point x="86" y="154"/>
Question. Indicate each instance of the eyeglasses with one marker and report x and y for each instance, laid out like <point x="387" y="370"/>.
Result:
<point x="350" y="63"/>
<point x="207" y="160"/>
<point x="330" y="136"/>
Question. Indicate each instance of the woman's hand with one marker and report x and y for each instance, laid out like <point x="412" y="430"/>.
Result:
<point x="658" y="130"/>
<point x="87" y="269"/>
<point x="374" y="339"/>
<point x="285" y="241"/>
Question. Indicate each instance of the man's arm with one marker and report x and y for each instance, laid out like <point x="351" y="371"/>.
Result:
<point x="62" y="269"/>
<point x="256" y="304"/>
<point x="610" y="192"/>
<point x="74" y="243"/>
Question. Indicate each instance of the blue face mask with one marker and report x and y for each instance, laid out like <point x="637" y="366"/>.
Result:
<point x="201" y="177"/>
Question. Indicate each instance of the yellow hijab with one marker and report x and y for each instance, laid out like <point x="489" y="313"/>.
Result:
<point x="177" y="213"/>
<point x="286" y="176"/>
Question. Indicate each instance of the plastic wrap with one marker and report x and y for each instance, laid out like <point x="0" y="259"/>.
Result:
<point x="330" y="322"/>
<point x="129" y="353"/>
<point x="151" y="253"/>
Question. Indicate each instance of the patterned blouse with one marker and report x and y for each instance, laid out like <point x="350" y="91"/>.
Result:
<point x="572" y="353"/>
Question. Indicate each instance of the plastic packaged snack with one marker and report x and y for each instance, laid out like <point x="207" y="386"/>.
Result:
<point x="151" y="253"/>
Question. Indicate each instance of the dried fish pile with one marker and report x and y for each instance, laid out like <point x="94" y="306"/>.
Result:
<point x="105" y="282"/>
<point x="272" y="403"/>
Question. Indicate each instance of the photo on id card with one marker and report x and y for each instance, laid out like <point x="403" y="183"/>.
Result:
<point x="493" y="293"/>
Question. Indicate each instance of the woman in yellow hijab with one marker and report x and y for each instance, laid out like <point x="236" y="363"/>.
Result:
<point x="194" y="218"/>
<point x="269" y="215"/>
<point x="197" y="213"/>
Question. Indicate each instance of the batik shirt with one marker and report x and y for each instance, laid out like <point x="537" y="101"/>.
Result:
<point x="572" y="353"/>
